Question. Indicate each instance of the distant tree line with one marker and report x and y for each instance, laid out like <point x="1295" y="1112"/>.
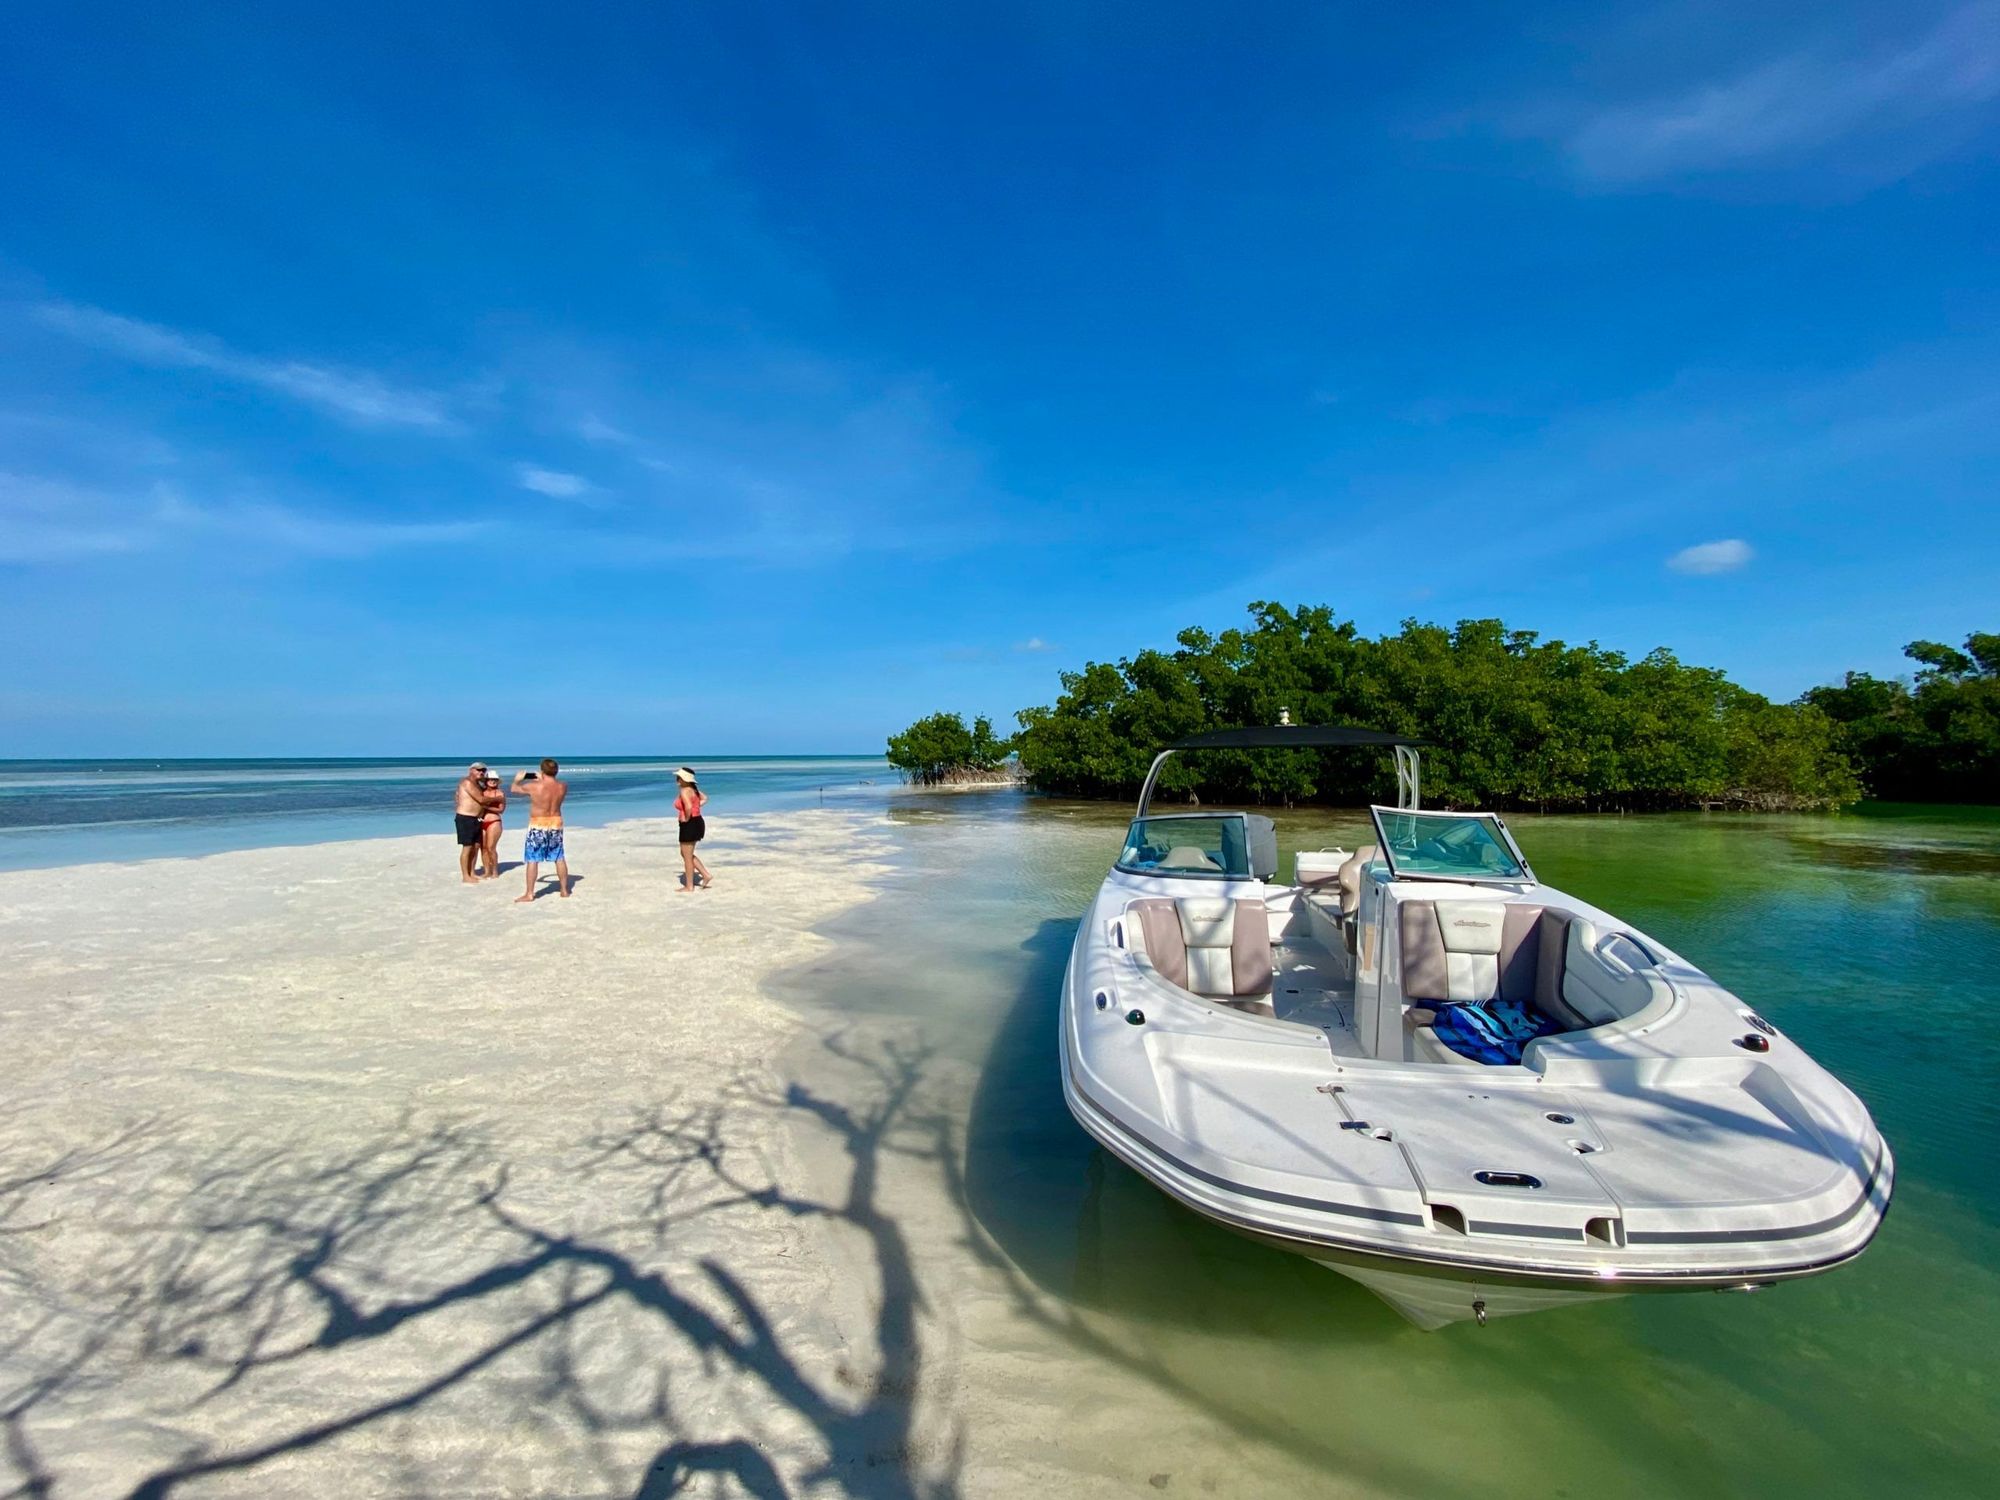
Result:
<point x="1512" y="721"/>
<point x="1934" y="740"/>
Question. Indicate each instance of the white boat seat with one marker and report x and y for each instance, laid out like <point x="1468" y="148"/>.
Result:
<point x="1455" y="951"/>
<point x="1214" y="946"/>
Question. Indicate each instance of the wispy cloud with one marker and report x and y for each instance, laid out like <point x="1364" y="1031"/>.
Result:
<point x="44" y="520"/>
<point x="830" y="460"/>
<point x="553" y="483"/>
<point x="50" y="521"/>
<point x="1795" y="103"/>
<point x="1708" y="558"/>
<point x="306" y="533"/>
<point x="351" y="395"/>
<point x="1033" y="643"/>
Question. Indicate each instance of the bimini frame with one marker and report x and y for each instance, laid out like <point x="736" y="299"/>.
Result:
<point x="1409" y="768"/>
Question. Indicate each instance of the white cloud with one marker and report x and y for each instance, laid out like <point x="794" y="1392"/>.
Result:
<point x="1796" y="103"/>
<point x="1708" y="558"/>
<point x="46" y="520"/>
<point x="553" y="483"/>
<point x="1034" y="643"/>
<point x="310" y="534"/>
<point x="355" y="396"/>
<point x="50" y="520"/>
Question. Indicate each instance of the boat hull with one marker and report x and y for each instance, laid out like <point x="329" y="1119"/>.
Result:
<point x="1430" y="1294"/>
<point x="1433" y="1302"/>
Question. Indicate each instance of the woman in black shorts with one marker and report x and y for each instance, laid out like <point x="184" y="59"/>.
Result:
<point x="687" y="806"/>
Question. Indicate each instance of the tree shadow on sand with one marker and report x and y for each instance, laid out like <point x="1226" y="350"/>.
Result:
<point x="263" y="1274"/>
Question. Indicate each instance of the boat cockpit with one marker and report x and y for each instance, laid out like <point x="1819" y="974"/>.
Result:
<point x="1435" y="943"/>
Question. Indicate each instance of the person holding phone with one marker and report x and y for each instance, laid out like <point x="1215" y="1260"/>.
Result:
<point x="545" y="826"/>
<point x="688" y="805"/>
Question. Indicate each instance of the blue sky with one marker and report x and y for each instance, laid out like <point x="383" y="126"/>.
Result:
<point x="716" y="377"/>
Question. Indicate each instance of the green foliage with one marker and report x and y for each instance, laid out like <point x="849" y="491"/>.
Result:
<point x="1934" y="740"/>
<point x="940" y="748"/>
<point x="1515" y="721"/>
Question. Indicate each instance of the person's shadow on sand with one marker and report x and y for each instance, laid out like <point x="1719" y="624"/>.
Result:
<point x="547" y="885"/>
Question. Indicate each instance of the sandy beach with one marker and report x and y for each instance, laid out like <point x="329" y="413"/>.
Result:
<point x="322" y="1173"/>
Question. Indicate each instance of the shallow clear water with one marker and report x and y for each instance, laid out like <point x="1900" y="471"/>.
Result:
<point x="57" y="812"/>
<point x="1873" y="939"/>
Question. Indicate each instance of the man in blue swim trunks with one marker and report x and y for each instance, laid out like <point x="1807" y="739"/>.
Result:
<point x="545" y="826"/>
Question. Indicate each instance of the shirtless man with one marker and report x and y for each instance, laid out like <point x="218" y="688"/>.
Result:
<point x="545" y="825"/>
<point x="467" y="807"/>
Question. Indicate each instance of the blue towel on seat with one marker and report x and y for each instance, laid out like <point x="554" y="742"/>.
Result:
<point x="1490" y="1031"/>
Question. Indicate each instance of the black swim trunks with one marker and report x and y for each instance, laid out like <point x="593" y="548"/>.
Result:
<point x="468" y="829"/>
<point x="694" y="830"/>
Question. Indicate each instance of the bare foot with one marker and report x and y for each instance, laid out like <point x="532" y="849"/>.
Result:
<point x="565" y="895"/>
<point x="522" y="900"/>
<point x="469" y="880"/>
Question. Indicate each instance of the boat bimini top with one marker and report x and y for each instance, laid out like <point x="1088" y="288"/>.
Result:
<point x="1289" y="736"/>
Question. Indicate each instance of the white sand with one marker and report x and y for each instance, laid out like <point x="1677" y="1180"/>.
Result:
<point x="322" y="1174"/>
<point x="292" y="1135"/>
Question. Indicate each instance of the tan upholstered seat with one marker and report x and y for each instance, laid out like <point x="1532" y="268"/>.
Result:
<point x="1338" y="906"/>
<point x="1214" y="946"/>
<point x="1456" y="951"/>
<point x="1350" y="877"/>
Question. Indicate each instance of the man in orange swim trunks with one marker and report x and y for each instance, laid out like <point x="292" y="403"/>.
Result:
<point x="545" y="826"/>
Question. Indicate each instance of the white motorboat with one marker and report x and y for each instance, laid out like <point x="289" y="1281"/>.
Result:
<point x="1473" y="1093"/>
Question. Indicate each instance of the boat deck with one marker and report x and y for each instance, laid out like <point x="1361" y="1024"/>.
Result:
<point x="1311" y="987"/>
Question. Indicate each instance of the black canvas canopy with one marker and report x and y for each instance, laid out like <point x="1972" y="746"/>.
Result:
<point x="1299" y="737"/>
<point x="1292" y="737"/>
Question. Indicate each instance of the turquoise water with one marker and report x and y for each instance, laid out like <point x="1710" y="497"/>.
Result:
<point x="57" y="812"/>
<point x="1872" y="938"/>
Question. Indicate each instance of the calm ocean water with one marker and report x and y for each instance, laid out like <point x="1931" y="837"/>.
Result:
<point x="58" y="812"/>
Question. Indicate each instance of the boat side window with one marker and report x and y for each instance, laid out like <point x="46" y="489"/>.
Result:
<point x="1200" y="845"/>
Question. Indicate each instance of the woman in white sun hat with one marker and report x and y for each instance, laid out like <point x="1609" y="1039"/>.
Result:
<point x="688" y="805"/>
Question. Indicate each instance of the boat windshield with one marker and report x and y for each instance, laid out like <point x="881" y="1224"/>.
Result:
<point x="1203" y="845"/>
<point x="1448" y="845"/>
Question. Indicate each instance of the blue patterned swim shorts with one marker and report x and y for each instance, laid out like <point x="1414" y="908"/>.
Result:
<point x="544" y="846"/>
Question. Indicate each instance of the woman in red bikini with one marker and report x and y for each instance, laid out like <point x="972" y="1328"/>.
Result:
<point x="687" y="807"/>
<point x="494" y="802"/>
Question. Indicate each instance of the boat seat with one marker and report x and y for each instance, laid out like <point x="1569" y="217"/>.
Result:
<point x="1337" y="907"/>
<point x="1213" y="946"/>
<point x="1457" y="951"/>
